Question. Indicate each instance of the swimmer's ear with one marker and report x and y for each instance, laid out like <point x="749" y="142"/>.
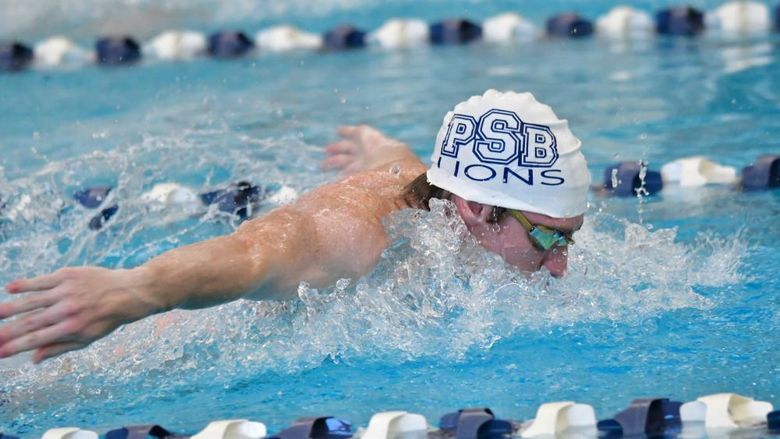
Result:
<point x="473" y="213"/>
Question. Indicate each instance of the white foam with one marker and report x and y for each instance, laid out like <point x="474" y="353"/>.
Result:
<point x="413" y="304"/>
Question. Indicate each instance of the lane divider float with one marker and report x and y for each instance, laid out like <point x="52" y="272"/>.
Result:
<point x="233" y="429"/>
<point x="734" y="18"/>
<point x="556" y="418"/>
<point x="717" y="414"/>
<point x="387" y="425"/>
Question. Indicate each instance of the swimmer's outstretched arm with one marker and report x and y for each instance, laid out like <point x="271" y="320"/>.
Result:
<point x="331" y="233"/>
<point x="363" y="147"/>
<point x="72" y="307"/>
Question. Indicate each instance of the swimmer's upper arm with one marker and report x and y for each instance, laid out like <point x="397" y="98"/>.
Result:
<point x="279" y="252"/>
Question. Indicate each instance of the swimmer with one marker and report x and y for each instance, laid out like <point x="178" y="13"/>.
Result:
<point x="512" y="169"/>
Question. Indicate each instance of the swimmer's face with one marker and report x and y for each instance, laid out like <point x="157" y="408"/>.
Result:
<point x="509" y="239"/>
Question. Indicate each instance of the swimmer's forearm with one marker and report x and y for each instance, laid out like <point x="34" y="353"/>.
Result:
<point x="204" y="274"/>
<point x="262" y="260"/>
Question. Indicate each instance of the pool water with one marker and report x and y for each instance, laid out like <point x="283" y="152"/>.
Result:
<point x="673" y="295"/>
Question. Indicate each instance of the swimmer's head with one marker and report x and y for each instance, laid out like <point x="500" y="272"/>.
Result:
<point x="503" y="153"/>
<point x="509" y="150"/>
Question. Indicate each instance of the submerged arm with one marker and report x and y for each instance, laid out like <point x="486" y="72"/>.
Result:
<point x="72" y="307"/>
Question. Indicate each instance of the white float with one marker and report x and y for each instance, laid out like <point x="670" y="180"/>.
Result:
<point x="233" y="429"/>
<point x="399" y="33"/>
<point x="725" y="411"/>
<point x="170" y="194"/>
<point x="69" y="433"/>
<point x="284" y="38"/>
<point x="554" y="418"/>
<point x="696" y="172"/>
<point x="387" y="425"/>
<point x="285" y="195"/>
<point x="625" y="22"/>
<point x="57" y="51"/>
<point x="737" y="18"/>
<point x="176" y="45"/>
<point x="508" y="27"/>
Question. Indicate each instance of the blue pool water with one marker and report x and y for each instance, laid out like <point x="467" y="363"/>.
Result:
<point x="675" y="295"/>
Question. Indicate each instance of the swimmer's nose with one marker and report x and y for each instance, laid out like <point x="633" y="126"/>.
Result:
<point x="556" y="260"/>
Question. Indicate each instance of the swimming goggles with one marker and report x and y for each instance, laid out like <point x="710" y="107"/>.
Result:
<point x="543" y="237"/>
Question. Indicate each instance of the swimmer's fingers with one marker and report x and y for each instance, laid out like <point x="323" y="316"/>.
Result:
<point x="53" y="350"/>
<point x="361" y="133"/>
<point x="338" y="161"/>
<point x="341" y="147"/>
<point x="52" y="334"/>
<point x="30" y="323"/>
<point x="350" y="131"/>
<point x="38" y="283"/>
<point x="28" y="303"/>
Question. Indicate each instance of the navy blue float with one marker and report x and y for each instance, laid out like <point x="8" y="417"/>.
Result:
<point x="454" y="31"/>
<point x="117" y="51"/>
<point x="344" y="37"/>
<point x="140" y="432"/>
<point x="679" y="20"/>
<point x="5" y="436"/>
<point x="777" y="17"/>
<point x="14" y="56"/>
<point x="325" y="427"/>
<point x="763" y="174"/>
<point x="649" y="417"/>
<point x="236" y="199"/>
<point x="773" y="421"/>
<point x="628" y="181"/>
<point x="474" y="423"/>
<point x="229" y="44"/>
<point x="569" y="25"/>
<point x="98" y="221"/>
<point x="93" y="197"/>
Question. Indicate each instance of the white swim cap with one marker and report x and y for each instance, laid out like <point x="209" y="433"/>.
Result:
<point x="506" y="149"/>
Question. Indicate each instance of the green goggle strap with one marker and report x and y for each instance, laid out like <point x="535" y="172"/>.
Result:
<point x="544" y="237"/>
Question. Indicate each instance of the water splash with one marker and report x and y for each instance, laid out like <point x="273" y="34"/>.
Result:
<point x="435" y="293"/>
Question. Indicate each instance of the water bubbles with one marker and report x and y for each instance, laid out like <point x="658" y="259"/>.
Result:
<point x="614" y="178"/>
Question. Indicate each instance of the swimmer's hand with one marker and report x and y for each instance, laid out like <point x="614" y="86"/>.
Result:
<point x="69" y="309"/>
<point x="362" y="148"/>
